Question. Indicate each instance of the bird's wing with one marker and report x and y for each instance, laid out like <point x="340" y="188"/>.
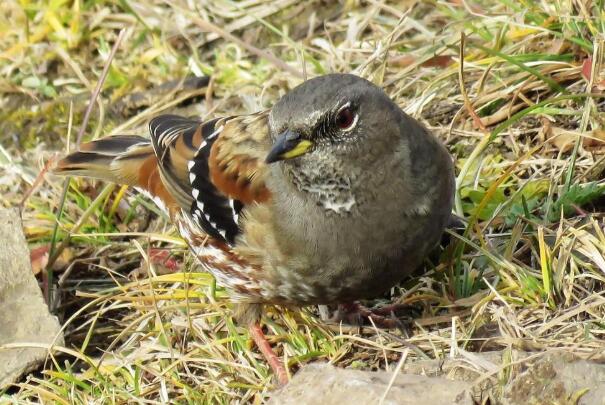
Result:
<point x="175" y="141"/>
<point x="213" y="168"/>
<point x="209" y="170"/>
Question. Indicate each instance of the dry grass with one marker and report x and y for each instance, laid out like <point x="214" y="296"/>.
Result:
<point x="523" y="115"/>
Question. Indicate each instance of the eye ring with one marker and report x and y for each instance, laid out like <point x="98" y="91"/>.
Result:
<point x="346" y="118"/>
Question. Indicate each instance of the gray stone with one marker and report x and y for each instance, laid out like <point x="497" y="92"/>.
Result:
<point x="326" y="385"/>
<point x="24" y="316"/>
<point x="560" y="378"/>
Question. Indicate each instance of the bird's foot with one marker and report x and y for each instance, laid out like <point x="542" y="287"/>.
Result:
<point x="385" y="317"/>
<point x="265" y="348"/>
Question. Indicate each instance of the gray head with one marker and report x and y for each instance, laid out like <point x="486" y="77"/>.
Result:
<point x="331" y="133"/>
<point x="340" y="115"/>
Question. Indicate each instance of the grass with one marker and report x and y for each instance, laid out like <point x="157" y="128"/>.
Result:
<point x="515" y="89"/>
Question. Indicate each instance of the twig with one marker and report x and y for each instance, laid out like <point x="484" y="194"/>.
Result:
<point x="476" y="120"/>
<point x="95" y="94"/>
<point x="467" y="102"/>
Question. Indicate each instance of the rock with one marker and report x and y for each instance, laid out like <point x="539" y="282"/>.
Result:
<point x="24" y="316"/>
<point x="471" y="367"/>
<point x="326" y="385"/>
<point x="558" y="378"/>
<point x="534" y="378"/>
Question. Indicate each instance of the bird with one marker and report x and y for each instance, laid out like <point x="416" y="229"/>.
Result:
<point x="332" y="195"/>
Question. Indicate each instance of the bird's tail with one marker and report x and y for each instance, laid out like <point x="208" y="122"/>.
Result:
<point x="119" y="159"/>
<point x="159" y="168"/>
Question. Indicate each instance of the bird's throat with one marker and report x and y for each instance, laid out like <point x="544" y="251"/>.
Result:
<point x="329" y="189"/>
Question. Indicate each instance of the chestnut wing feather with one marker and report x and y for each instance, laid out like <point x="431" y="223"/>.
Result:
<point x="213" y="168"/>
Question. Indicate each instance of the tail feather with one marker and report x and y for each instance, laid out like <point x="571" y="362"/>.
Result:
<point x="158" y="165"/>
<point x="117" y="159"/>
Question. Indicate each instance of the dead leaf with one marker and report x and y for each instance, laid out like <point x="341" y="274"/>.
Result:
<point x="64" y="260"/>
<point x="39" y="258"/>
<point x="596" y="139"/>
<point x="402" y="60"/>
<point x="557" y="46"/>
<point x="441" y="61"/>
<point x="599" y="80"/>
<point x="564" y="139"/>
<point x="546" y="129"/>
<point x="587" y="68"/>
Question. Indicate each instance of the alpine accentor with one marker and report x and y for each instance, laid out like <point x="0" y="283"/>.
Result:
<point x="333" y="195"/>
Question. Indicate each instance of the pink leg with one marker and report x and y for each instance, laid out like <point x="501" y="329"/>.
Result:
<point x="265" y="348"/>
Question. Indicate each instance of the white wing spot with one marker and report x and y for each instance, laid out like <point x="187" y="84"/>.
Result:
<point x="216" y="132"/>
<point x="235" y="214"/>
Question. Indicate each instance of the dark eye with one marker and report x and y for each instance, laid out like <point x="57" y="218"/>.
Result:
<point x="345" y="118"/>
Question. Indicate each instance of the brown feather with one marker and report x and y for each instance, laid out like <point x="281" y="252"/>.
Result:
<point x="236" y="163"/>
<point x="150" y="179"/>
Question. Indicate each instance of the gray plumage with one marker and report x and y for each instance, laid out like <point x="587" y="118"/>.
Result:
<point x="362" y="209"/>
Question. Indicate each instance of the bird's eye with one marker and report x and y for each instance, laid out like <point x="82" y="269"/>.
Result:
<point x="345" y="118"/>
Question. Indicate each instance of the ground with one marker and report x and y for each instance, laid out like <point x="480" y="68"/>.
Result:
<point x="514" y="89"/>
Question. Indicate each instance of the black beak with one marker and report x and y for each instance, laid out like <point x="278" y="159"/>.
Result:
<point x="289" y="144"/>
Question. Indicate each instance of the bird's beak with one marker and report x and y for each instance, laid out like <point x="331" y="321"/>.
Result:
<point x="289" y="144"/>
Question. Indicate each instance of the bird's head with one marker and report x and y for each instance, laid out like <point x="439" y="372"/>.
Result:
<point x="333" y="117"/>
<point x="337" y="137"/>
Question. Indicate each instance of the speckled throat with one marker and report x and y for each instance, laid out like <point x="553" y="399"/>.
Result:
<point x="330" y="190"/>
